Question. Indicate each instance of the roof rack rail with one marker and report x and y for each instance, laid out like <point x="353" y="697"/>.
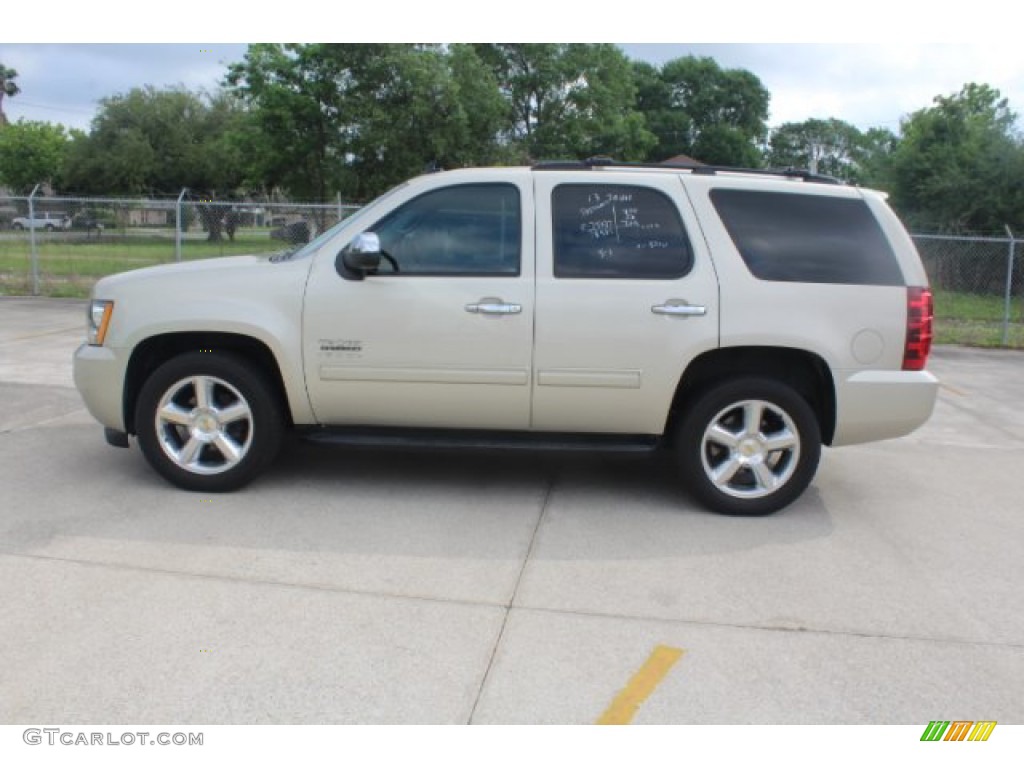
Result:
<point x="695" y="168"/>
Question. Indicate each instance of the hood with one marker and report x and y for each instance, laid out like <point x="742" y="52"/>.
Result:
<point x="209" y="268"/>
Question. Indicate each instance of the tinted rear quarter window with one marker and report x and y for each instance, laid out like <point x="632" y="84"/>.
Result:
<point x="794" y="237"/>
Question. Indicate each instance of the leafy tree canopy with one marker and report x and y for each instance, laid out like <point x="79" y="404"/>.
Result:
<point x="696" y="108"/>
<point x="358" y="118"/>
<point x="157" y="141"/>
<point x="568" y="100"/>
<point x="959" y="165"/>
<point x="319" y="120"/>
<point x="831" y="147"/>
<point x="7" y="88"/>
<point x="30" y="153"/>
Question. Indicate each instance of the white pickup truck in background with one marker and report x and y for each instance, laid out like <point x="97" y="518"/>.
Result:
<point x="49" y="221"/>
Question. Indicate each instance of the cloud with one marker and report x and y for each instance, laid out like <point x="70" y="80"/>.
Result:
<point x="865" y="84"/>
<point x="65" y="83"/>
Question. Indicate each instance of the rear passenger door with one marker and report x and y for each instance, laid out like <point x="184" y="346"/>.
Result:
<point x="626" y="297"/>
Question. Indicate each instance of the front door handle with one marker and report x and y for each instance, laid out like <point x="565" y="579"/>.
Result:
<point x="494" y="307"/>
<point x="673" y="307"/>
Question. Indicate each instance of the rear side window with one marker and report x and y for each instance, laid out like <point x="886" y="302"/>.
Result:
<point x="618" y="231"/>
<point x="807" y="238"/>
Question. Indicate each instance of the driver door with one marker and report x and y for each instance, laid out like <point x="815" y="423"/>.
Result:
<point x="441" y="334"/>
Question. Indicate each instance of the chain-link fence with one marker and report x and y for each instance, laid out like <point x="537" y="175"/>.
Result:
<point x="978" y="284"/>
<point x="60" y="246"/>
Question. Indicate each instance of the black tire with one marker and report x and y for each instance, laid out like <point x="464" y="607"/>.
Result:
<point x="17" y="225"/>
<point x="735" y="466"/>
<point x="208" y="422"/>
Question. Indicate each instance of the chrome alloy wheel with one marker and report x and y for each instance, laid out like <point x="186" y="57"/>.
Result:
<point x="750" y="449"/>
<point x="204" y="425"/>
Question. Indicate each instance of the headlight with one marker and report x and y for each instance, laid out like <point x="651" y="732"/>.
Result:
<point x="97" y="320"/>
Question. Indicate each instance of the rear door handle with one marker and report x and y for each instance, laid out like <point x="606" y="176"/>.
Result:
<point x="679" y="309"/>
<point x="494" y="307"/>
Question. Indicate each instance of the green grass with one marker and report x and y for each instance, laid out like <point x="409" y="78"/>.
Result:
<point x="975" y="320"/>
<point x="69" y="264"/>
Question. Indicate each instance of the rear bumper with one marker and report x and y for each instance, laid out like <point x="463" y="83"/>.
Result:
<point x="879" y="405"/>
<point x="99" y="377"/>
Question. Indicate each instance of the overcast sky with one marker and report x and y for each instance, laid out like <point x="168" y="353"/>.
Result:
<point x="867" y="84"/>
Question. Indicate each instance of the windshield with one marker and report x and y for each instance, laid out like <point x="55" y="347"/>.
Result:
<point x="313" y="245"/>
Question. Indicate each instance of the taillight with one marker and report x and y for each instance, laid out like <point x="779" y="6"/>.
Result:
<point x="919" y="329"/>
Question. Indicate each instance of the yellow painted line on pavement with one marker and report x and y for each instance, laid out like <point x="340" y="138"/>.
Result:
<point x="624" y="707"/>
<point x="44" y="333"/>
<point x="954" y="390"/>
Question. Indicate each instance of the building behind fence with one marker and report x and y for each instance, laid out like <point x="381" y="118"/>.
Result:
<point x="978" y="281"/>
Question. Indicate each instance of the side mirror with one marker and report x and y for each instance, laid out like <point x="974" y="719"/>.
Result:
<point x="359" y="257"/>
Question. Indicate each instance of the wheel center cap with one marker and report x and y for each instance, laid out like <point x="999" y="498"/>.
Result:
<point x="205" y="423"/>
<point x="750" y="448"/>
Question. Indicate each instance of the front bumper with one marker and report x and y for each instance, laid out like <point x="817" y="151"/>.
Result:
<point x="99" y="377"/>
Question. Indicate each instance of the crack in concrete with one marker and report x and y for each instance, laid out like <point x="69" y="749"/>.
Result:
<point x="545" y="503"/>
<point x="509" y="605"/>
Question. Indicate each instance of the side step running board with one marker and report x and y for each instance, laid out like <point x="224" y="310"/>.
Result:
<point x="480" y="439"/>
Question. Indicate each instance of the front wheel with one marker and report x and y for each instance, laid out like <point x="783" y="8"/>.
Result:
<point x="208" y="422"/>
<point x="749" y="446"/>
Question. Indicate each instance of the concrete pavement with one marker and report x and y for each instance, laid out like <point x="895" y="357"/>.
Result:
<point x="376" y="586"/>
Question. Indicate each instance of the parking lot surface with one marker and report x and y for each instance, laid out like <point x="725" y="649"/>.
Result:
<point x="381" y="586"/>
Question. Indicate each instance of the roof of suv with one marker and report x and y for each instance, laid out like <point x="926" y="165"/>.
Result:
<point x="603" y="163"/>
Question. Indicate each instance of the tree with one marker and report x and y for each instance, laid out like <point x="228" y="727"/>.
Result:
<point x="831" y="147"/>
<point x="875" y="157"/>
<point x="568" y="100"/>
<point x="7" y="88"/>
<point x="695" y="107"/>
<point x="959" y="165"/>
<point x="30" y="153"/>
<point x="359" y="118"/>
<point x="296" y="123"/>
<point x="486" y="112"/>
<point x="158" y="141"/>
<point x="669" y="124"/>
<point x="410" y="115"/>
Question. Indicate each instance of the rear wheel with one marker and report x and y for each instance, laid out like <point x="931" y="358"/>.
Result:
<point x="208" y="422"/>
<point x="749" y="446"/>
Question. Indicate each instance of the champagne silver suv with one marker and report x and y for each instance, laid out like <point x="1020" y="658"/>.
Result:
<point x="738" y="318"/>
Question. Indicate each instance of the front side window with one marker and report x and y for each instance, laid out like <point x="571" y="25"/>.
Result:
<point x="618" y="231"/>
<point x="471" y="229"/>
